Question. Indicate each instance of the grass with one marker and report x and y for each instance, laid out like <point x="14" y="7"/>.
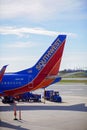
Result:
<point x="73" y="81"/>
<point x="74" y="74"/>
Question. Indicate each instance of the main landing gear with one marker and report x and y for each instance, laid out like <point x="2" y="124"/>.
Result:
<point x="8" y="99"/>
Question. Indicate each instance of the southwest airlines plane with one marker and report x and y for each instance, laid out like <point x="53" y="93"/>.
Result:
<point x="42" y="74"/>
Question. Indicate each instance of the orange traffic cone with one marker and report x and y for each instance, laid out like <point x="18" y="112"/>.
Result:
<point x="15" y="112"/>
<point x="19" y="114"/>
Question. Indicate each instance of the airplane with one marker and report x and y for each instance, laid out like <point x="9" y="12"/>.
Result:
<point x="42" y="74"/>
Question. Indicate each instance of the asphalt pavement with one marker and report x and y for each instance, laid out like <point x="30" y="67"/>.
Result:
<point x="71" y="114"/>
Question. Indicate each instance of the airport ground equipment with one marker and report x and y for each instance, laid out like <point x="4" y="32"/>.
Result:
<point x="28" y="97"/>
<point x="53" y="96"/>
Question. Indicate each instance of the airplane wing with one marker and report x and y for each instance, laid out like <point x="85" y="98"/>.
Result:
<point x="68" y="74"/>
<point x="52" y="77"/>
<point x="60" y="75"/>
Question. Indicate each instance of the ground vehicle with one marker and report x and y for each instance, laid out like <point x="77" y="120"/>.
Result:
<point x="28" y="96"/>
<point x="53" y="96"/>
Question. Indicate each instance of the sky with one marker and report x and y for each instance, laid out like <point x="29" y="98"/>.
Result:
<point x="28" y="27"/>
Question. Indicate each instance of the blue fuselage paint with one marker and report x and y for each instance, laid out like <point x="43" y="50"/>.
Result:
<point x="13" y="81"/>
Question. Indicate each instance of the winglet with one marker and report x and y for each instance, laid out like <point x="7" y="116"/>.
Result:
<point x="2" y="71"/>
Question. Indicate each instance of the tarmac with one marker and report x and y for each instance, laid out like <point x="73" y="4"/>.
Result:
<point x="71" y="114"/>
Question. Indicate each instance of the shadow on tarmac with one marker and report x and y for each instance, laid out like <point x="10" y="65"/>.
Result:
<point x="10" y="126"/>
<point x="77" y="107"/>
